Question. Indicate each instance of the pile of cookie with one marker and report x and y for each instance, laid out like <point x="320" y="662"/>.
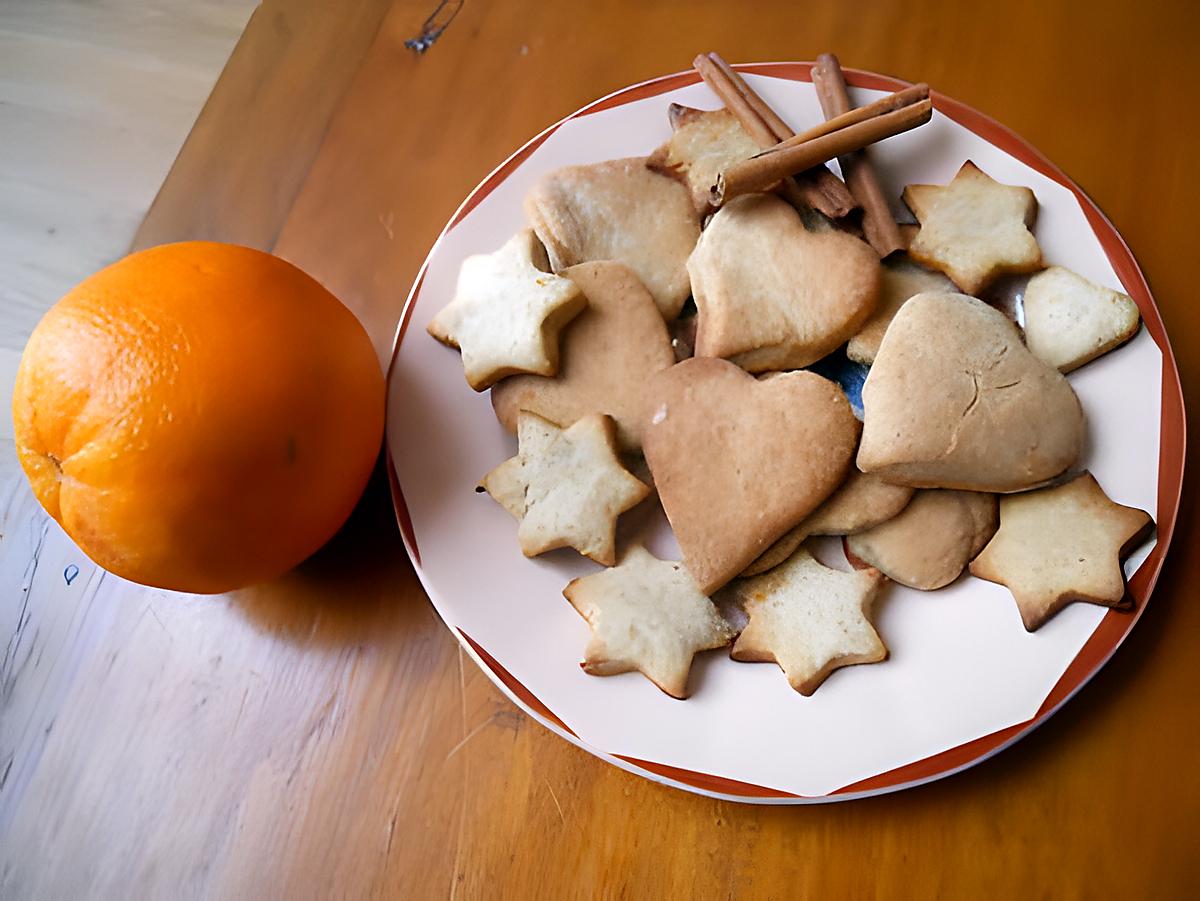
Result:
<point x="642" y="317"/>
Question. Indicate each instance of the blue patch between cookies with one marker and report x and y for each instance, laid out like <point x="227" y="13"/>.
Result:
<point x="837" y="367"/>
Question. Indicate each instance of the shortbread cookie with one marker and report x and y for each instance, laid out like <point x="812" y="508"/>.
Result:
<point x="1062" y="544"/>
<point x="619" y="210"/>
<point x="566" y="486"/>
<point x="704" y="143"/>
<point x="974" y="229"/>
<point x="902" y="279"/>
<point x="771" y="293"/>
<point x="608" y="356"/>
<point x="1070" y="321"/>
<point x="864" y="500"/>
<point x="506" y="313"/>
<point x="647" y="615"/>
<point x="955" y="400"/>
<point x="809" y="619"/>
<point x="737" y="461"/>
<point x="932" y="540"/>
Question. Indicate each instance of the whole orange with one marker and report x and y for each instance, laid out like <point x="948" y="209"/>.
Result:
<point x="199" y="416"/>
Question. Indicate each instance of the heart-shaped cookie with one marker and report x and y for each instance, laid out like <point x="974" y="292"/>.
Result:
<point x="738" y="461"/>
<point x="608" y="353"/>
<point x="955" y="400"/>
<point x="771" y="293"/>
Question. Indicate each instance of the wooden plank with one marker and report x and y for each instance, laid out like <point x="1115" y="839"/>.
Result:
<point x="237" y="174"/>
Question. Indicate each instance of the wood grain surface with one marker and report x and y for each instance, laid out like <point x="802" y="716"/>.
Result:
<point x="323" y="736"/>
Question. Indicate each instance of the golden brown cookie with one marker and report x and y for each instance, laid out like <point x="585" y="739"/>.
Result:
<point x="608" y="356"/>
<point x="704" y="142"/>
<point x="1069" y="321"/>
<point x="809" y="619"/>
<point x="974" y="229"/>
<point x="863" y="500"/>
<point x="771" y="293"/>
<point x="566" y="486"/>
<point x="932" y="540"/>
<point x="507" y="312"/>
<point x="1062" y="544"/>
<point x="619" y="210"/>
<point x="902" y="279"/>
<point x="646" y="615"/>
<point x="955" y="400"/>
<point x="738" y="461"/>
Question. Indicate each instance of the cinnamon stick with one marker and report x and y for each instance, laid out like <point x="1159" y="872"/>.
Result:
<point x="822" y="189"/>
<point x="736" y="102"/>
<point x="779" y="128"/>
<point x="819" y="188"/>
<point x="878" y="223"/>
<point x="907" y="97"/>
<point x="761" y="171"/>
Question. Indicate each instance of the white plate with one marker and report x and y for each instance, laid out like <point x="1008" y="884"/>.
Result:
<point x="963" y="680"/>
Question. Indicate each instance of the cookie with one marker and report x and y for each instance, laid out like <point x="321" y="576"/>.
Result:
<point x="1062" y="544"/>
<point x="809" y="619"/>
<point x="955" y="400"/>
<point x="974" y="229"/>
<point x="507" y="312"/>
<point x="646" y="615"/>
<point x="608" y="355"/>
<point x="771" y="293"/>
<point x="704" y="142"/>
<point x="931" y="541"/>
<point x="862" y="501"/>
<point x="901" y="279"/>
<point x="619" y="210"/>
<point x="738" y="461"/>
<point x="566" y="486"/>
<point x="1069" y="321"/>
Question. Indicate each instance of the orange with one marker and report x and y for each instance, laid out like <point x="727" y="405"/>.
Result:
<point x="199" y="416"/>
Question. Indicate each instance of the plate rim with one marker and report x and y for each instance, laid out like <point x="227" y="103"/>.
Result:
<point x="1109" y="634"/>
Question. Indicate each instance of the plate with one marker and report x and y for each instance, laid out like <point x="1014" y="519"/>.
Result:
<point x="963" y="680"/>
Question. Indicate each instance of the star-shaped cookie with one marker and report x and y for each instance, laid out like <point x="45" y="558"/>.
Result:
<point x="809" y="619"/>
<point x="1061" y="544"/>
<point x="703" y="143"/>
<point x="974" y="229"/>
<point x="507" y="312"/>
<point x="647" y="615"/>
<point x="566" y="486"/>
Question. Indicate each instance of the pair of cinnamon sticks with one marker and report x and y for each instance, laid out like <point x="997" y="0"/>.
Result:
<point x="818" y="187"/>
<point x="844" y="135"/>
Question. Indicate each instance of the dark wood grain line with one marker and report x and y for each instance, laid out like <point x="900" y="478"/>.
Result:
<point x="250" y="150"/>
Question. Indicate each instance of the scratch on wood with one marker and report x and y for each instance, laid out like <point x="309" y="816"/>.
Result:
<point x="554" y="798"/>
<point x="158" y="620"/>
<point x="499" y="714"/>
<point x="391" y="832"/>
<point x="389" y="222"/>
<point x="294" y="772"/>
<point x="456" y="874"/>
<point x="241" y="707"/>
<point x="7" y="677"/>
<point x="462" y="689"/>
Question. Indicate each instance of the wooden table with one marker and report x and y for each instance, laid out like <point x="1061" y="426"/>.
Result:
<point x="323" y="736"/>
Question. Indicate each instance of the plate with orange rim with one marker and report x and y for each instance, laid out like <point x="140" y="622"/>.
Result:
<point x="963" y="679"/>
